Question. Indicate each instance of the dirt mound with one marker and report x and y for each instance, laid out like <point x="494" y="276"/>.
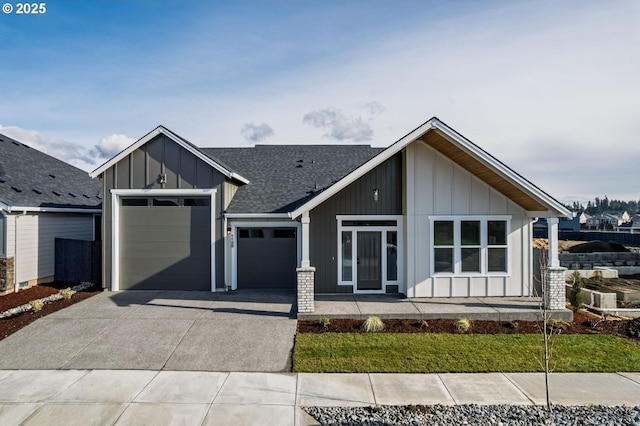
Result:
<point x="599" y="247"/>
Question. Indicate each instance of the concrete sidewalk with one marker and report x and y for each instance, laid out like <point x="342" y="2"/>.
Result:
<point x="124" y="397"/>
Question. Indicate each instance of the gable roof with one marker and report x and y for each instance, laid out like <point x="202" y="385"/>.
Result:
<point x="466" y="154"/>
<point x="32" y="179"/>
<point x="283" y="177"/>
<point x="225" y="170"/>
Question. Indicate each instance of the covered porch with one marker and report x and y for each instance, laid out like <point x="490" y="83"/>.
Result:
<point x="388" y="306"/>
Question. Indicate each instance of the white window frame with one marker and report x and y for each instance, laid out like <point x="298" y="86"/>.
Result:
<point x="354" y="247"/>
<point x="457" y="246"/>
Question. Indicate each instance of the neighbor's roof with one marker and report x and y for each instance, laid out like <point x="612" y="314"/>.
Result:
<point x="283" y="177"/>
<point x="31" y="178"/>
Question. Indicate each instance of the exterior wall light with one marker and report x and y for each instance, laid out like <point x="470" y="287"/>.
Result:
<point x="376" y="193"/>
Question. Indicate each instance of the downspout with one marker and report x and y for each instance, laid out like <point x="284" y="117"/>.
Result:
<point x="15" y="253"/>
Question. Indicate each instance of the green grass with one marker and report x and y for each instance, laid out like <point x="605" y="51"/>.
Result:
<point x="441" y="353"/>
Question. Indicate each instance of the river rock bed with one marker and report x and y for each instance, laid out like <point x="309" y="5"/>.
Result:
<point x="476" y="415"/>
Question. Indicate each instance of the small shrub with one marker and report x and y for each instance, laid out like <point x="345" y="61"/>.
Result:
<point x="574" y="297"/>
<point x="558" y="325"/>
<point x="372" y="325"/>
<point x="325" y="322"/>
<point x="36" y="305"/>
<point x="462" y="325"/>
<point x="423" y="324"/>
<point x="67" y="293"/>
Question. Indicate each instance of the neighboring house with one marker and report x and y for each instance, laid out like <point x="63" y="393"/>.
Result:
<point x="432" y="215"/>
<point x="632" y="226"/>
<point x="607" y="221"/>
<point x="584" y="217"/>
<point x="565" y="224"/>
<point x="41" y="198"/>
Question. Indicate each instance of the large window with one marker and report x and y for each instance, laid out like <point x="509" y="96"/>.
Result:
<point x="470" y="245"/>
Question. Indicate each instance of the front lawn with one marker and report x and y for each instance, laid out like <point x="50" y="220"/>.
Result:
<point x="458" y="353"/>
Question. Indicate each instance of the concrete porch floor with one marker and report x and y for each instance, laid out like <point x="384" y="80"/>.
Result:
<point x="389" y="306"/>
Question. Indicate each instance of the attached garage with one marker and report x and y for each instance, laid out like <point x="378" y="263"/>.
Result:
<point x="267" y="257"/>
<point x="165" y="243"/>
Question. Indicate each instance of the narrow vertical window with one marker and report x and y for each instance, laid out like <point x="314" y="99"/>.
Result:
<point x="471" y="245"/>
<point x="497" y="246"/>
<point x="347" y="256"/>
<point x="443" y="245"/>
<point x="392" y="256"/>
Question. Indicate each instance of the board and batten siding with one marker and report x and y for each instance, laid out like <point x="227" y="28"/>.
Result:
<point x="35" y="241"/>
<point x="141" y="170"/>
<point x="435" y="185"/>
<point x="355" y="199"/>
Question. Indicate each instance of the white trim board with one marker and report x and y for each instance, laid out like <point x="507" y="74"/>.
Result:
<point x="234" y="225"/>
<point x="177" y="139"/>
<point x="116" y="195"/>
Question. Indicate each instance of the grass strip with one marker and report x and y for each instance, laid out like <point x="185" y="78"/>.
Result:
<point x="460" y="353"/>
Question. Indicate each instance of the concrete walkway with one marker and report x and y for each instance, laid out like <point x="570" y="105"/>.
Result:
<point x="108" y="397"/>
<point x="158" y="330"/>
<point x="360" y="306"/>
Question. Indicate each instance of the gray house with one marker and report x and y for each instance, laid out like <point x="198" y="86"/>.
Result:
<point x="432" y="215"/>
<point x="41" y="199"/>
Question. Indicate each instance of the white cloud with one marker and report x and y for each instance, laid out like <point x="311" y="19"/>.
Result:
<point x="340" y="126"/>
<point x="112" y="144"/>
<point x="256" y="132"/>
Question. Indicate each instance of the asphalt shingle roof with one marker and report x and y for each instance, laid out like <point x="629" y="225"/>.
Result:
<point x="283" y="177"/>
<point x="30" y="178"/>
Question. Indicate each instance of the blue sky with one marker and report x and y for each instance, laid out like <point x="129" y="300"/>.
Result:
<point x="551" y="88"/>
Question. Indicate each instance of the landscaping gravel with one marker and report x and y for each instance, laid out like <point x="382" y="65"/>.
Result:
<point x="476" y="415"/>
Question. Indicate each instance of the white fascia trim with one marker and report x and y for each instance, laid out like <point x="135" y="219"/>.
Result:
<point x="502" y="169"/>
<point x="234" y="225"/>
<point x="116" y="194"/>
<point x="19" y="209"/>
<point x="161" y="130"/>
<point x="5" y="207"/>
<point x="257" y="215"/>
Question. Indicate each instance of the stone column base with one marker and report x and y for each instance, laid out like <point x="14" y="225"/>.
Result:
<point x="306" y="282"/>
<point x="7" y="275"/>
<point x="555" y="294"/>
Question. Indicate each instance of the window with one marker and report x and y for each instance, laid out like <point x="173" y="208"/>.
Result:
<point x="470" y="245"/>
<point x="134" y="202"/>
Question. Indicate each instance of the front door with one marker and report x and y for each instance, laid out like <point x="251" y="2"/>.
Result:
<point x="369" y="260"/>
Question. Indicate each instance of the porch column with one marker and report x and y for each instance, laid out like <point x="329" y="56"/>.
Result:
<point x="553" y="279"/>
<point x="306" y="273"/>
<point x="552" y="227"/>
<point x="305" y="220"/>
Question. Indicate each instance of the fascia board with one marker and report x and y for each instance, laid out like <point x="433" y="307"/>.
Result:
<point x="161" y="130"/>
<point x="503" y="170"/>
<point x="14" y="209"/>
<point x="366" y="167"/>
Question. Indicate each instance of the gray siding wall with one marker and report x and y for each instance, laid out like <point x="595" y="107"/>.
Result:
<point x="141" y="170"/>
<point x="356" y="199"/>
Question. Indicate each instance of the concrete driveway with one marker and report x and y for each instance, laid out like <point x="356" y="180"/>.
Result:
<point x="161" y="330"/>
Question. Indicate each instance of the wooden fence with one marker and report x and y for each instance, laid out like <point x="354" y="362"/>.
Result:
<point x="78" y="260"/>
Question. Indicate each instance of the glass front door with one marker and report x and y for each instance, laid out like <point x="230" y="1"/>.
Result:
<point x="369" y="260"/>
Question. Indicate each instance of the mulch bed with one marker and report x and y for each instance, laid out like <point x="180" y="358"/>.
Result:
<point x="584" y="322"/>
<point x="9" y="326"/>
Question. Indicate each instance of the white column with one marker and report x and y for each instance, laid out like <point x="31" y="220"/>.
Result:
<point x="552" y="228"/>
<point x="305" y="220"/>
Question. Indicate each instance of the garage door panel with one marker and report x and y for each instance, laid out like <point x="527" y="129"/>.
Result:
<point x="165" y="247"/>
<point x="265" y="261"/>
<point x="167" y="234"/>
